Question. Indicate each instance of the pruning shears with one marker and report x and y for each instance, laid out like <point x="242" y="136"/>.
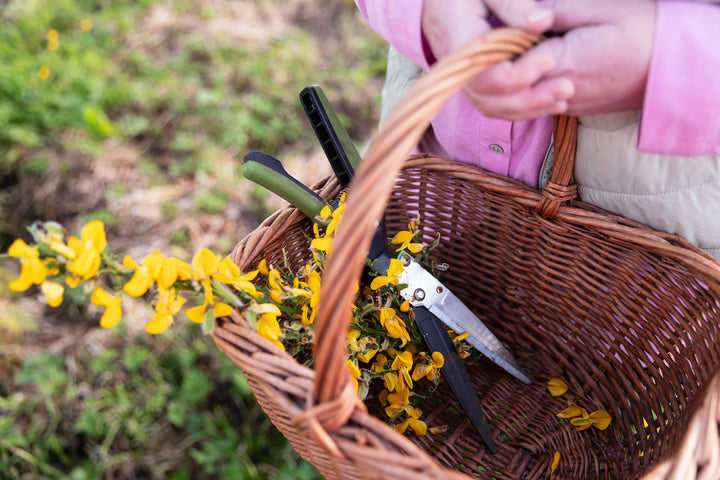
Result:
<point x="434" y="306"/>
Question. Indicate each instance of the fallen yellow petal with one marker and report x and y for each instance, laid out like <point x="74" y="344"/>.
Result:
<point x="557" y="387"/>
<point x="572" y="411"/>
<point x="600" y="419"/>
<point x="555" y="463"/>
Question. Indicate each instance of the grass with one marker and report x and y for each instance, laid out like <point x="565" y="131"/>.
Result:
<point x="140" y="121"/>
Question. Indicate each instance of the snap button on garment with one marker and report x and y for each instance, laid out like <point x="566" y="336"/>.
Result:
<point x="496" y="148"/>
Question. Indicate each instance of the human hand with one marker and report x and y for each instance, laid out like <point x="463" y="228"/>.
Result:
<point x="604" y="55"/>
<point x="510" y="89"/>
<point x="605" y="52"/>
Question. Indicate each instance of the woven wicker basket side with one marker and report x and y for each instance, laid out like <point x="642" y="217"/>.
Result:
<point x="627" y="315"/>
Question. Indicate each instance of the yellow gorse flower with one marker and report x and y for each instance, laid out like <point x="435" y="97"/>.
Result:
<point x="279" y="305"/>
<point x="394" y="325"/>
<point x="391" y="277"/>
<point x="33" y="270"/>
<point x="53" y="292"/>
<point x="428" y="366"/>
<point x="112" y="304"/>
<point x="405" y="240"/>
<point x="88" y="250"/>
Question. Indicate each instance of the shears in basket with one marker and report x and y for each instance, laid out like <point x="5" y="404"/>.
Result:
<point x="434" y="305"/>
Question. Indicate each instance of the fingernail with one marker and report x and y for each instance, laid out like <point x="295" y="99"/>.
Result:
<point x="537" y="16"/>
<point x="560" y="107"/>
<point x="565" y="90"/>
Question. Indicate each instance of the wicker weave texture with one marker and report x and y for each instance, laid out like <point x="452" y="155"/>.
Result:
<point x="628" y="316"/>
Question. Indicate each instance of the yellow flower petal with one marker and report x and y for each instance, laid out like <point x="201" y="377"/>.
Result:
<point x="418" y="426"/>
<point x="353" y="368"/>
<point x="86" y="264"/>
<point x="93" y="234"/>
<point x="557" y="387"/>
<point x="86" y="25"/>
<point x="139" y="283"/>
<point x="159" y="324"/>
<point x="555" y="462"/>
<point x="380" y="281"/>
<point x="128" y="262"/>
<point x="54" y="293"/>
<point x="113" y="310"/>
<point x="262" y="267"/>
<point x="600" y="419"/>
<point x="323" y="244"/>
<point x="222" y="310"/>
<point x="196" y="314"/>
<point x="415" y="247"/>
<point x="572" y="411"/>
<point x="206" y="263"/>
<point x="402" y="237"/>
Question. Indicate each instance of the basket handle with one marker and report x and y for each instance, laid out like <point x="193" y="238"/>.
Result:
<point x="371" y="189"/>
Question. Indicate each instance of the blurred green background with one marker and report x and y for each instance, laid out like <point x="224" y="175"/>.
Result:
<point x="137" y="113"/>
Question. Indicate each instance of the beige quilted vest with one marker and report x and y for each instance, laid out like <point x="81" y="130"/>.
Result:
<point x="679" y="195"/>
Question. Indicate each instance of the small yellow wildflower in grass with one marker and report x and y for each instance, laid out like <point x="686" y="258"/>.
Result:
<point x="86" y="25"/>
<point x="44" y="72"/>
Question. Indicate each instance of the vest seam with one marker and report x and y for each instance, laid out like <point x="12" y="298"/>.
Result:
<point x="653" y="194"/>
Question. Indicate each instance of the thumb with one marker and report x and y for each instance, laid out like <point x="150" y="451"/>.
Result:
<point x="526" y="14"/>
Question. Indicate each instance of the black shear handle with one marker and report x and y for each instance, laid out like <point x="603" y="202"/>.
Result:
<point x="437" y="339"/>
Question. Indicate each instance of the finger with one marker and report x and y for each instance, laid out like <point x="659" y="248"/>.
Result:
<point x="525" y="14"/>
<point x="510" y="77"/>
<point x="548" y="97"/>
<point x="569" y="14"/>
<point x="448" y="25"/>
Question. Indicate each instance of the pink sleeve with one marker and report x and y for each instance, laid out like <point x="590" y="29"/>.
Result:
<point x="400" y="23"/>
<point x="681" y="113"/>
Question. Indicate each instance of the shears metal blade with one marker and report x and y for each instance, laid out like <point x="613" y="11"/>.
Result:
<point x="425" y="290"/>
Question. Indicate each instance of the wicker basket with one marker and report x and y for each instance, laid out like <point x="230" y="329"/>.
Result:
<point x="627" y="315"/>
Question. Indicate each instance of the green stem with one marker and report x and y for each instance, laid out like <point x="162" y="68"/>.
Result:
<point x="31" y="459"/>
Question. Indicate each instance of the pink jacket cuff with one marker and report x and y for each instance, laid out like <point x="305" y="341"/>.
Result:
<point x="681" y="112"/>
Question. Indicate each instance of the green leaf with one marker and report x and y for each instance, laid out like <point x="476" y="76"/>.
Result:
<point x="97" y="122"/>
<point x="135" y="357"/>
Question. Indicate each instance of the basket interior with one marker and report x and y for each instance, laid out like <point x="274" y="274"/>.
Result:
<point x="629" y="330"/>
